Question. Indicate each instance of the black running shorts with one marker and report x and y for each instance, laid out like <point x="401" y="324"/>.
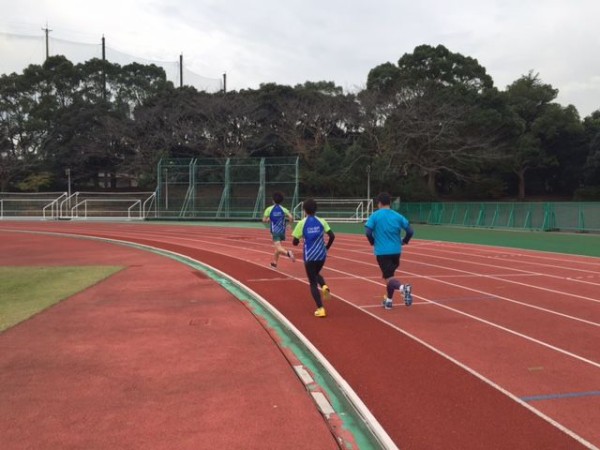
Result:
<point x="388" y="264"/>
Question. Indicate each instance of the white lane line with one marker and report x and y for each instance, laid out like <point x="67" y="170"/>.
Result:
<point x="465" y="256"/>
<point x="491" y="277"/>
<point x="527" y="305"/>
<point x="465" y="260"/>
<point x="212" y="242"/>
<point x="487" y="322"/>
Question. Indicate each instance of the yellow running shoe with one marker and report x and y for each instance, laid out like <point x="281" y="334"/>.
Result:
<point x="326" y="292"/>
<point x="320" y="312"/>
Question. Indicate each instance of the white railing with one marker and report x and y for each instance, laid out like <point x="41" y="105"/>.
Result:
<point x="147" y="205"/>
<point x="339" y="209"/>
<point x="57" y="205"/>
<point x="107" y="208"/>
<point x="19" y="205"/>
<point x="53" y="206"/>
<point x="65" y="206"/>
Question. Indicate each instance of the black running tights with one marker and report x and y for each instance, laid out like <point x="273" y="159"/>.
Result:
<point x="313" y="269"/>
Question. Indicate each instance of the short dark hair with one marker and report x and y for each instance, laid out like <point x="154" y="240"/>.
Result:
<point x="277" y="197"/>
<point x="384" y="198"/>
<point x="310" y="206"/>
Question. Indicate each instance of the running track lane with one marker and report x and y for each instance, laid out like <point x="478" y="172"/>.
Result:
<point x="422" y="399"/>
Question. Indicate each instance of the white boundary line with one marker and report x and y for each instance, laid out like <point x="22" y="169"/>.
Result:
<point x="500" y="297"/>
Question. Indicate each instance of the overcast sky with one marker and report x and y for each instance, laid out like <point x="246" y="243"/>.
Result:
<point x="292" y="41"/>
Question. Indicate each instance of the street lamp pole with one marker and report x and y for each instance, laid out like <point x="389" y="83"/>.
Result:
<point x="68" y="170"/>
<point x="369" y="182"/>
<point x="166" y="188"/>
<point x="69" y="181"/>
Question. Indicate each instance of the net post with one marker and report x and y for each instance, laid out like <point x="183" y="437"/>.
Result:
<point x="296" y="197"/>
<point x="224" y="203"/>
<point x="158" y="183"/>
<point x="259" y="205"/>
<point x="580" y="218"/>
<point x="511" y="216"/>
<point x="193" y="183"/>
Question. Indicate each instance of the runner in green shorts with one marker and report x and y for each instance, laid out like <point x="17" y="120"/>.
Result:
<point x="278" y="216"/>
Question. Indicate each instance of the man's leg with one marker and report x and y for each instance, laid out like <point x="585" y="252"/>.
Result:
<point x="312" y="272"/>
<point x="281" y="250"/>
<point x="323" y="284"/>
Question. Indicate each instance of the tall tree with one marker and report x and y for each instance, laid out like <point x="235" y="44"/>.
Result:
<point x="434" y="113"/>
<point x="534" y="113"/>
<point x="29" y="104"/>
<point x="15" y="148"/>
<point x="591" y="126"/>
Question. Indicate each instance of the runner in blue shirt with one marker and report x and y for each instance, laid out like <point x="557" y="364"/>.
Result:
<point x="312" y="229"/>
<point x="278" y="216"/>
<point x="384" y="230"/>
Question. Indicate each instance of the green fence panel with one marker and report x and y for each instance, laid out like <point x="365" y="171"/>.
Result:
<point x="568" y="216"/>
<point x="224" y="188"/>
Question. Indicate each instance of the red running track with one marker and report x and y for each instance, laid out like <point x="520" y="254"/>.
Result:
<point x="157" y="356"/>
<point x="499" y="350"/>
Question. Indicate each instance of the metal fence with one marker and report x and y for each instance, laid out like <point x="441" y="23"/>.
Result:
<point x="239" y="189"/>
<point x="229" y="188"/>
<point x="548" y="216"/>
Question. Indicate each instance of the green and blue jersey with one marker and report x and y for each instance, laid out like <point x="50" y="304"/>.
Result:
<point x="312" y="229"/>
<point x="277" y="215"/>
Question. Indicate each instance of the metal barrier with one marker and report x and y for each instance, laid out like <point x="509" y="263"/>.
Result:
<point x="547" y="216"/>
<point x="79" y="205"/>
<point x="51" y="210"/>
<point x="107" y="205"/>
<point x="353" y="210"/>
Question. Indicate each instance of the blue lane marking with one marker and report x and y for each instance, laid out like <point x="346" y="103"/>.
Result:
<point x="534" y="398"/>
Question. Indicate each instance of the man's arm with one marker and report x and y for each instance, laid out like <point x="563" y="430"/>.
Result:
<point x="266" y="215"/>
<point x="330" y="240"/>
<point x="297" y="234"/>
<point x="408" y="234"/>
<point x="370" y="237"/>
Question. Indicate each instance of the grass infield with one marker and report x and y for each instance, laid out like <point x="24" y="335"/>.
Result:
<point x="25" y="291"/>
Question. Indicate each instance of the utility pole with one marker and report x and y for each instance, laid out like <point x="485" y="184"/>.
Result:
<point x="181" y="70"/>
<point x="103" y="68"/>
<point x="47" y="30"/>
